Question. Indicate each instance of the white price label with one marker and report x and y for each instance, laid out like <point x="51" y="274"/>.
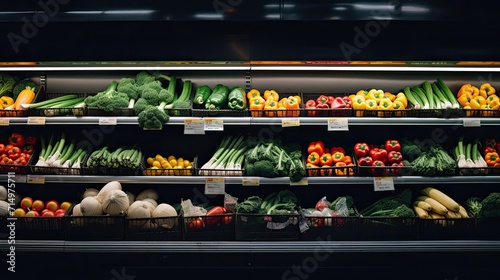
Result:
<point x="472" y="123"/>
<point x="383" y="184"/>
<point x="194" y="126"/>
<point x="35" y="179"/>
<point x="215" y="186"/>
<point x="214" y="124"/>
<point x="338" y="124"/>
<point x="107" y="121"/>
<point x="4" y="122"/>
<point x="303" y="182"/>
<point x="250" y="181"/>
<point x="289" y="122"/>
<point x="36" y="120"/>
<point x="18" y="178"/>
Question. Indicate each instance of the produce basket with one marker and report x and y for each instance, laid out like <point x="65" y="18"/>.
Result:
<point x="447" y="229"/>
<point x="381" y="171"/>
<point x="105" y="170"/>
<point x="383" y="113"/>
<point x="288" y="113"/>
<point x="388" y="228"/>
<point x="50" y="112"/>
<point x="488" y="228"/>
<point x="198" y="112"/>
<point x="218" y="227"/>
<point x="331" y="228"/>
<point x="95" y="227"/>
<point x="169" y="171"/>
<point x="40" y="228"/>
<point x="478" y="171"/>
<point x="480" y="113"/>
<point x="438" y="113"/>
<point x="220" y="172"/>
<point x="267" y="227"/>
<point x="335" y="171"/>
<point x="164" y="228"/>
<point x="17" y="169"/>
<point x="323" y="112"/>
<point x="119" y="112"/>
<point x="24" y="112"/>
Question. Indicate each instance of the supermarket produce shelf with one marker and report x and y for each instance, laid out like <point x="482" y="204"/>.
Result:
<point x="307" y="121"/>
<point x="238" y="180"/>
<point x="253" y="246"/>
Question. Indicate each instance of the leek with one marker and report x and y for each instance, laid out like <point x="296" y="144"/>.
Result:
<point x="49" y="102"/>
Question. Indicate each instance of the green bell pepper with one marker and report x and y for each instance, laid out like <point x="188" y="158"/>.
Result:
<point x="218" y="98"/>
<point x="237" y="99"/>
<point x="202" y="94"/>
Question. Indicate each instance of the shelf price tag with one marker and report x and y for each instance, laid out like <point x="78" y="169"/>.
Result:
<point x="289" y="122"/>
<point x="36" y="120"/>
<point x="383" y="184"/>
<point x="4" y="122"/>
<point x="250" y="181"/>
<point x="212" y="124"/>
<point x="107" y="121"/>
<point x="215" y="186"/>
<point x="18" y="178"/>
<point x="303" y="182"/>
<point x="338" y="124"/>
<point x="35" y="179"/>
<point x="472" y="123"/>
<point x="194" y="126"/>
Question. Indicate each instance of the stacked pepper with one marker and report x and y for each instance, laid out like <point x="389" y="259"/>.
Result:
<point x="270" y="104"/>
<point x="483" y="98"/>
<point x="386" y="159"/>
<point x="323" y="161"/>
<point x="377" y="99"/>
<point x="491" y="152"/>
<point x="17" y="150"/>
<point x="326" y="102"/>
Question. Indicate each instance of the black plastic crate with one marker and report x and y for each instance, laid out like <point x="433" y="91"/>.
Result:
<point x="23" y="112"/>
<point x="118" y="112"/>
<point x="267" y="227"/>
<point x="195" y="112"/>
<point x="488" y="228"/>
<point x="160" y="228"/>
<point x="17" y="169"/>
<point x="95" y="227"/>
<point x="447" y="229"/>
<point x="377" y="171"/>
<point x="478" y="113"/>
<point x="331" y="228"/>
<point x="438" y="113"/>
<point x="407" y="112"/>
<point x="214" y="227"/>
<point x="478" y="171"/>
<point x="388" y="228"/>
<point x="169" y="171"/>
<point x="55" y="112"/>
<point x="332" y="171"/>
<point x="51" y="170"/>
<point x="323" y="112"/>
<point x="118" y="171"/>
<point x="40" y="228"/>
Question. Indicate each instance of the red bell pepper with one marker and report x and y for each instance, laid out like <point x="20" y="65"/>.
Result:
<point x="14" y="153"/>
<point x="337" y="149"/>
<point x="330" y="99"/>
<point x="490" y="142"/>
<point x="16" y="139"/>
<point x="30" y="140"/>
<point x="310" y="106"/>
<point x="365" y="161"/>
<point x="28" y="149"/>
<point x="20" y="161"/>
<point x="2" y="148"/>
<point x="316" y="146"/>
<point x="347" y="101"/>
<point x="396" y="168"/>
<point x="338" y="102"/>
<point x="361" y="149"/>
<point x="6" y="160"/>
<point x="394" y="157"/>
<point x="392" y="145"/>
<point x="379" y="154"/>
<point x="322" y="99"/>
<point x="488" y="149"/>
<point x="379" y="170"/>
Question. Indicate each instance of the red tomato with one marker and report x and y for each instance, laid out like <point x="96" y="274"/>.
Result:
<point x="217" y="211"/>
<point x="227" y="220"/>
<point x="196" y="223"/>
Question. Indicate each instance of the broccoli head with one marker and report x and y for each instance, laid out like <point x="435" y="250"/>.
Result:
<point x="152" y="118"/>
<point x="165" y="97"/>
<point x="262" y="168"/>
<point x="491" y="205"/>
<point x="151" y="96"/>
<point x="129" y="88"/>
<point x="297" y="170"/>
<point x="143" y="78"/>
<point x="7" y="83"/>
<point x="22" y="85"/>
<point x="109" y="99"/>
<point x="155" y="85"/>
<point x="140" y="105"/>
<point x="473" y="206"/>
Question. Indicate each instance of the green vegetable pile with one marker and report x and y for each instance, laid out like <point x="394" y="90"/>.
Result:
<point x="11" y="85"/>
<point x="435" y="161"/>
<point x="488" y="207"/>
<point x="397" y="205"/>
<point x="280" y="203"/>
<point x="273" y="159"/>
<point x="349" y="201"/>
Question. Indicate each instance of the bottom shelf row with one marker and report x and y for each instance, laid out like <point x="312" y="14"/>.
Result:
<point x="248" y="227"/>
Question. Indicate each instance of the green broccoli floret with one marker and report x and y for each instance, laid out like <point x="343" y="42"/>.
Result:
<point x="297" y="170"/>
<point x="473" y="206"/>
<point x="7" y="83"/>
<point x="21" y="85"/>
<point x="262" y="168"/>
<point x="491" y="205"/>
<point x="401" y="211"/>
<point x="152" y="118"/>
<point x="143" y="78"/>
<point x="109" y="99"/>
<point x="165" y="97"/>
<point x="140" y="105"/>
<point x="129" y="87"/>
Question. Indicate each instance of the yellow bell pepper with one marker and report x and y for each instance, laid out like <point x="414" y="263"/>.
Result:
<point x="358" y="102"/>
<point x="362" y="92"/>
<point x="486" y="89"/>
<point x="401" y="97"/>
<point x="351" y="96"/>
<point x="253" y="93"/>
<point x="6" y="101"/>
<point x="477" y="102"/>
<point x="391" y="96"/>
<point x="385" y="104"/>
<point x="468" y="89"/>
<point x="371" y="104"/>
<point x="376" y="94"/>
<point x="271" y="92"/>
<point x="398" y="105"/>
<point x="464" y="99"/>
<point x="493" y="100"/>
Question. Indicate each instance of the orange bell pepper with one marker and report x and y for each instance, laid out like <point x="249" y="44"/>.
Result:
<point x="312" y="170"/>
<point x="464" y="99"/>
<point x="340" y="171"/>
<point x="338" y="157"/>
<point x="469" y="89"/>
<point x="313" y="158"/>
<point x="292" y="104"/>
<point x="347" y="159"/>
<point x="486" y="90"/>
<point x="326" y="159"/>
<point x="326" y="170"/>
<point x="492" y="158"/>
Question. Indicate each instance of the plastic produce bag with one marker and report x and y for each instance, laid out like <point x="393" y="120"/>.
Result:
<point x="189" y="210"/>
